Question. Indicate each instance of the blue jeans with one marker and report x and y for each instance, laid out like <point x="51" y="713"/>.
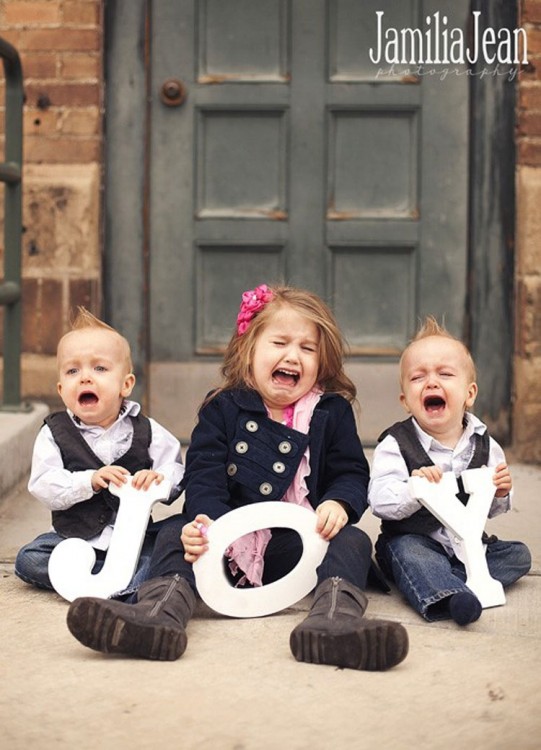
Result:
<point x="32" y="561"/>
<point x="427" y="576"/>
<point x="348" y="555"/>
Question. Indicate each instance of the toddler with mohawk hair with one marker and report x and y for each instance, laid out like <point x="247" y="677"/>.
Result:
<point x="438" y="388"/>
<point x="100" y="439"/>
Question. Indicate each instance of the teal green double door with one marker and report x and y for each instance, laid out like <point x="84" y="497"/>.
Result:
<point x="276" y="151"/>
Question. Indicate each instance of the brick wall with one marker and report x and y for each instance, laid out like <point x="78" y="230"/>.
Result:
<point x="527" y="363"/>
<point x="60" y="44"/>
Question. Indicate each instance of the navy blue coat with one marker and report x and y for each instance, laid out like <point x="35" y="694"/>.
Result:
<point x="239" y="456"/>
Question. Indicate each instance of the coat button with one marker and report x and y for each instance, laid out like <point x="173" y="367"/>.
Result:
<point x="285" y="446"/>
<point x="232" y="470"/>
<point x="279" y="467"/>
<point x="265" y="488"/>
<point x="241" y="446"/>
<point x="252" y="426"/>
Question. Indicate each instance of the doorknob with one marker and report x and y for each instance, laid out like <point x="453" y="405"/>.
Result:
<point x="173" y="92"/>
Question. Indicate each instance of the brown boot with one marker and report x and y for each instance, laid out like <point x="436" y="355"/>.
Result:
<point x="153" y="628"/>
<point x="335" y="632"/>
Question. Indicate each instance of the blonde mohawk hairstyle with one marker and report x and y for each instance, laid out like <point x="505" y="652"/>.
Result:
<point x="85" y="319"/>
<point x="431" y="327"/>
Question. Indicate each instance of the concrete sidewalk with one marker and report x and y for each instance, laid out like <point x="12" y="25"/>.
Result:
<point x="237" y="687"/>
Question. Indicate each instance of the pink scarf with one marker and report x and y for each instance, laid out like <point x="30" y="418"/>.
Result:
<point x="247" y="552"/>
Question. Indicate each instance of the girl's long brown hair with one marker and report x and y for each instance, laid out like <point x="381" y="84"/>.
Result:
<point x="236" y="368"/>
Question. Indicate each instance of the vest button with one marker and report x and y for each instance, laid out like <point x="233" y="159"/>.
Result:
<point x="232" y="470"/>
<point x="241" y="447"/>
<point x="252" y="426"/>
<point x="285" y="446"/>
<point x="279" y="467"/>
<point x="265" y="488"/>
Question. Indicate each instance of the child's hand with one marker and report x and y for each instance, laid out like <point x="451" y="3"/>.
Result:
<point x="331" y="519"/>
<point x="102" y="477"/>
<point x="194" y="538"/>
<point x="143" y="478"/>
<point x="502" y="480"/>
<point x="432" y="473"/>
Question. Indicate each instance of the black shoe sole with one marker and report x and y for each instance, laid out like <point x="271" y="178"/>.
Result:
<point x="115" y="628"/>
<point x="376" y="646"/>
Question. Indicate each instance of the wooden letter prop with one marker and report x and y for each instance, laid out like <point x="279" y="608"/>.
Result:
<point x="213" y="584"/>
<point x="71" y="562"/>
<point x="466" y="523"/>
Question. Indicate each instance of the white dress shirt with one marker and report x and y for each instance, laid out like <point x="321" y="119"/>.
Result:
<point x="388" y="493"/>
<point x="59" y="489"/>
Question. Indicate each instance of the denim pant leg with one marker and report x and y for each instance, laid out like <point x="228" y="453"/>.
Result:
<point x="348" y="556"/>
<point x="422" y="571"/>
<point x="32" y="561"/>
<point x="508" y="561"/>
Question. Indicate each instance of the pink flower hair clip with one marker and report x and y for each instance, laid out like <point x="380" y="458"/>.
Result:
<point x="253" y="301"/>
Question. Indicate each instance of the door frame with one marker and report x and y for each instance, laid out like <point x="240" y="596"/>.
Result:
<point x="490" y="299"/>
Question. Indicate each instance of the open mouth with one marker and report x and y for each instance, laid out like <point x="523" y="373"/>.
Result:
<point x="434" y="404"/>
<point x="286" y="377"/>
<point x="88" y="399"/>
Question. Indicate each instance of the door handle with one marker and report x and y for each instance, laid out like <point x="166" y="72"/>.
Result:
<point x="173" y="92"/>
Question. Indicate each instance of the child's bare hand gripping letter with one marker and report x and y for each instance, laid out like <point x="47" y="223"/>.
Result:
<point x="102" y="477"/>
<point x="144" y="478"/>
<point x="502" y="480"/>
<point x="331" y="518"/>
<point x="432" y="473"/>
<point x="194" y="538"/>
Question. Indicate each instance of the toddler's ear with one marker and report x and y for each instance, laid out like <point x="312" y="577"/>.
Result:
<point x="127" y="388"/>
<point x="404" y="403"/>
<point x="472" y="395"/>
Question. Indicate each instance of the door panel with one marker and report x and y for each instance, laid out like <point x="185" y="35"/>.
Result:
<point x="292" y="160"/>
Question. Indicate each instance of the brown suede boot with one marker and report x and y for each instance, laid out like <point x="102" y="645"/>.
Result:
<point x="335" y="632"/>
<point x="153" y="628"/>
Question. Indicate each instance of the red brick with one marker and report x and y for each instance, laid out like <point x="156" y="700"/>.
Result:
<point x="531" y="12"/>
<point x="81" y="122"/>
<point x="80" y="66"/>
<point x="63" y="94"/>
<point x="31" y="13"/>
<point x="530" y="96"/>
<point x="39" y="65"/>
<point x="40" y="150"/>
<point x="529" y="152"/>
<point x="87" y="14"/>
<point x="529" y="124"/>
<point x="533" y="34"/>
<point x="84" y="292"/>
<point x="42" y="321"/>
<point x="59" y="39"/>
<point x="40" y="122"/>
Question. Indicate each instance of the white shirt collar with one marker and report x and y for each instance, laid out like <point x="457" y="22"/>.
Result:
<point x="473" y="426"/>
<point x="128" y="409"/>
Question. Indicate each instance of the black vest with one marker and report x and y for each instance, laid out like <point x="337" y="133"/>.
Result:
<point x="88" y="518"/>
<point x="413" y="453"/>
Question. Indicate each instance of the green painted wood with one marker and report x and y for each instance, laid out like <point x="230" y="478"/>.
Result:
<point x="125" y="277"/>
<point x="492" y="229"/>
<point x="291" y="160"/>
